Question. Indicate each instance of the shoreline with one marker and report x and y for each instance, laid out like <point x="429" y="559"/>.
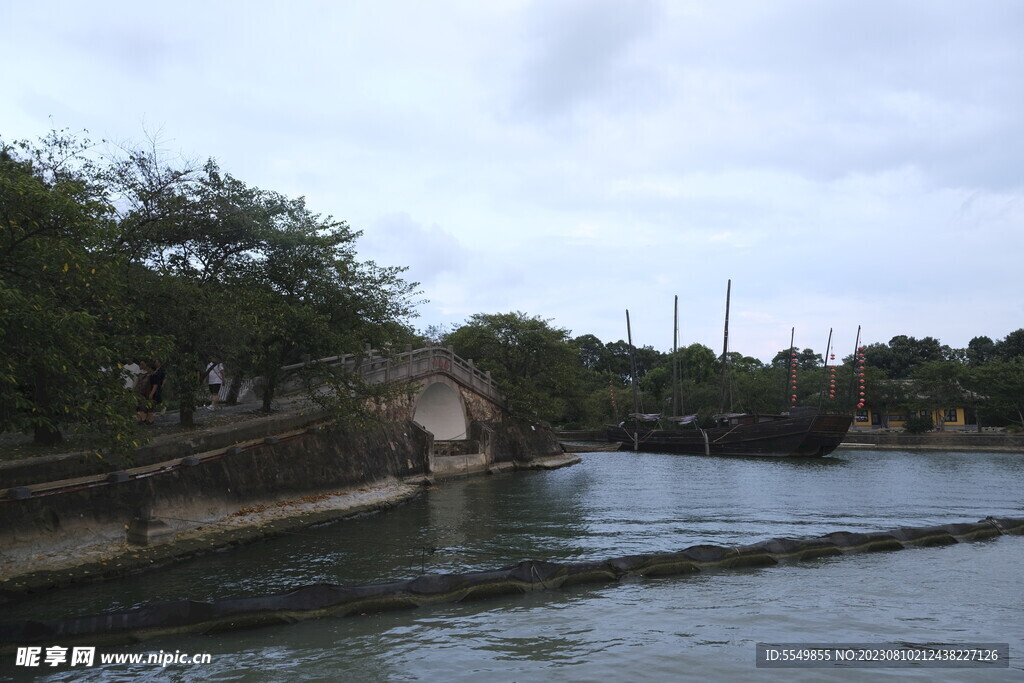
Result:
<point x="31" y="567"/>
<point x="587" y="442"/>
<point x="34" y="568"/>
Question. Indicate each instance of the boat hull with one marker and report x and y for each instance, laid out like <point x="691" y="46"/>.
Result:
<point x="804" y="436"/>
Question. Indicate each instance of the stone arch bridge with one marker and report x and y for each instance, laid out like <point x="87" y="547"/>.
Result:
<point x="450" y="394"/>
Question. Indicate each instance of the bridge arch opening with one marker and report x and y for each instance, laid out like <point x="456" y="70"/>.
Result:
<point x="440" y="411"/>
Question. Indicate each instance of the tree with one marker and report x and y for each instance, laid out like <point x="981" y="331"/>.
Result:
<point x="980" y="350"/>
<point x="698" y="363"/>
<point x="1011" y="347"/>
<point x="249" y="276"/>
<point x="1000" y="384"/>
<point x="315" y="298"/>
<point x="885" y="395"/>
<point x="62" y="293"/>
<point x="805" y="360"/>
<point x="533" y="363"/>
<point x="903" y="353"/>
<point x="618" y="360"/>
<point x="593" y="353"/>
<point x="939" y="385"/>
<point x="188" y="232"/>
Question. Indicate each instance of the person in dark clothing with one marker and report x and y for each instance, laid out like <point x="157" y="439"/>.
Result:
<point x="143" y="389"/>
<point x="156" y="383"/>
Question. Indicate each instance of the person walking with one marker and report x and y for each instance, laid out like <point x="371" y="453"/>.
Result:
<point x="215" y="379"/>
<point x="143" y="389"/>
<point x="156" y="383"/>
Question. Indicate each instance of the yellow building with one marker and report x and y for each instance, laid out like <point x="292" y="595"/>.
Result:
<point x="956" y="419"/>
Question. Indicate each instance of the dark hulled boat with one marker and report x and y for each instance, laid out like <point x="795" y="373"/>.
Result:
<point x="800" y="432"/>
<point x="803" y="432"/>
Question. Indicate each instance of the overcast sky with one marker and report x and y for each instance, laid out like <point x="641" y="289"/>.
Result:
<point x="844" y="163"/>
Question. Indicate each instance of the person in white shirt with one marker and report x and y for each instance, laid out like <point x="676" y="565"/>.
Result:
<point x="215" y="378"/>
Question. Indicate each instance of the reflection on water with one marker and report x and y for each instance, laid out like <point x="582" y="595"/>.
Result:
<point x="617" y="504"/>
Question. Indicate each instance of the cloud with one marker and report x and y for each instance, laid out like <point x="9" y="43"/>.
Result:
<point x="578" y="52"/>
<point x="842" y="163"/>
<point x="428" y="250"/>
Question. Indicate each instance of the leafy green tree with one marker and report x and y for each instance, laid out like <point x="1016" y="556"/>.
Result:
<point x="250" y="277"/>
<point x="980" y="350"/>
<point x="805" y="360"/>
<point x="939" y="384"/>
<point x="1011" y="347"/>
<point x="698" y="363"/>
<point x="885" y="395"/>
<point x="1000" y="386"/>
<point x="63" y="327"/>
<point x="620" y="358"/>
<point x="534" y="364"/>
<point x="593" y="353"/>
<point x="657" y="384"/>
<point x="315" y="298"/>
<point x="189" y="232"/>
<point x="603" y="404"/>
<point x="756" y="389"/>
<point x="903" y="353"/>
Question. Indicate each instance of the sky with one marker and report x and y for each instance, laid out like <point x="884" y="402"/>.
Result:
<point x="844" y="164"/>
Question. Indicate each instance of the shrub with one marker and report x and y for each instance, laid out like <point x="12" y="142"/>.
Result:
<point x="918" y="424"/>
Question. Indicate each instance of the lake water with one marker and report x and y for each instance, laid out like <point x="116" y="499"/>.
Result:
<point x="699" y="627"/>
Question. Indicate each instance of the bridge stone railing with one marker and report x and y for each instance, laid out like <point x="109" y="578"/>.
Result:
<point x="375" y="367"/>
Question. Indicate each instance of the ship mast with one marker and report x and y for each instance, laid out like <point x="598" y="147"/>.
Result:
<point x="725" y="352"/>
<point x="853" y="373"/>
<point x="824" y="375"/>
<point x="677" y="407"/>
<point x="632" y="382"/>
<point x="790" y="369"/>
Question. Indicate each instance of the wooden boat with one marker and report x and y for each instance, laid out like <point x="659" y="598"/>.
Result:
<point x="802" y="432"/>
<point x="799" y="432"/>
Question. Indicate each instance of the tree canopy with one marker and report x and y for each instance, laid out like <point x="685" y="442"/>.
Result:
<point x="105" y="260"/>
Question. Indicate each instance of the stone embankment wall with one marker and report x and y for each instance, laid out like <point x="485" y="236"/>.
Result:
<point x="178" y="481"/>
<point x="946" y="441"/>
<point x="211" y="484"/>
<point x="952" y="441"/>
<point x="164" y="448"/>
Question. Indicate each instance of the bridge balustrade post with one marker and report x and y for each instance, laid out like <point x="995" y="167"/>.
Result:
<point x="472" y="373"/>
